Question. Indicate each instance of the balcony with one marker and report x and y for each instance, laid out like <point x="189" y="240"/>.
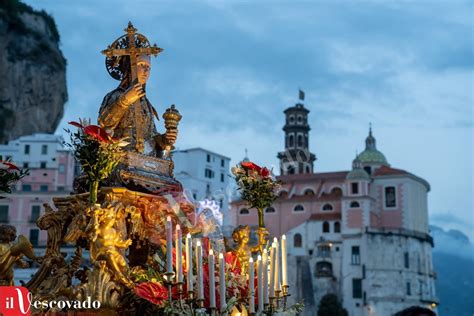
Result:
<point x="324" y="250"/>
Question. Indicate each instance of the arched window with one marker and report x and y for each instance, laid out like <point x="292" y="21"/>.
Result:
<point x="244" y="211"/>
<point x="326" y="227"/>
<point x="308" y="192"/>
<point x="292" y="118"/>
<point x="270" y="210"/>
<point x="337" y="227"/>
<point x="291" y="141"/>
<point x="297" y="241"/>
<point x="308" y="169"/>
<point x="300" y="119"/>
<point x="323" y="269"/>
<point x="327" y="207"/>
<point x="298" y="208"/>
<point x="354" y="204"/>
<point x="300" y="141"/>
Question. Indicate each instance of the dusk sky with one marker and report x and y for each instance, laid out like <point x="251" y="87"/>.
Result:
<point x="231" y="68"/>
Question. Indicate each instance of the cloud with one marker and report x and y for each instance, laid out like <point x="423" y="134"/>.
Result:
<point x="452" y="242"/>
<point x="367" y="59"/>
<point x="450" y="221"/>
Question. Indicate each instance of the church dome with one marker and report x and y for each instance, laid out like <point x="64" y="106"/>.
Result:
<point x="371" y="155"/>
<point x="357" y="173"/>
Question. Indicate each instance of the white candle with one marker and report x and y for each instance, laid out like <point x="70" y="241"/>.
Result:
<point x="212" y="280"/>
<point x="200" y="285"/>
<point x="179" y="255"/>
<point x="251" y="286"/>
<point x="222" y="285"/>
<point x="265" y="276"/>
<point x="169" y="246"/>
<point x="284" y="267"/>
<point x="260" y="283"/>
<point x="277" y="265"/>
<point x="272" y="270"/>
<point x="189" y="262"/>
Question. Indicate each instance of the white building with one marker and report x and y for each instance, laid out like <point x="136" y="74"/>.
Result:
<point x="204" y="175"/>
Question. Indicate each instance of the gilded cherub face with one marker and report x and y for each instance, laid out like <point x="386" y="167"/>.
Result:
<point x="108" y="219"/>
<point x="7" y="233"/>
<point x="241" y="235"/>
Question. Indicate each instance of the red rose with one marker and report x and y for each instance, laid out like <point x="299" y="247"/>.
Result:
<point x="250" y="166"/>
<point x="98" y="133"/>
<point x="265" y="172"/>
<point x="152" y="291"/>
<point x="75" y="124"/>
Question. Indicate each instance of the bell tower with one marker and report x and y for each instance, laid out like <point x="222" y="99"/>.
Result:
<point x="296" y="158"/>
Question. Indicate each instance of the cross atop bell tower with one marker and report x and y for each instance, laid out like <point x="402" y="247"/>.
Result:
<point x="296" y="159"/>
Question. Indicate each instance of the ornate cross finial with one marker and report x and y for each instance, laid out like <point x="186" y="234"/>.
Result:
<point x="130" y="28"/>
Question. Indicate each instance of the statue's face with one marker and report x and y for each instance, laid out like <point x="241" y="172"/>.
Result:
<point x="143" y="69"/>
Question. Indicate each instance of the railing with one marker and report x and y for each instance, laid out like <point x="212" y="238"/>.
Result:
<point x="400" y="232"/>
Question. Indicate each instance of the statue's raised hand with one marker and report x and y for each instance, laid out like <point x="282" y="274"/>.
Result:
<point x="171" y="136"/>
<point x="134" y="93"/>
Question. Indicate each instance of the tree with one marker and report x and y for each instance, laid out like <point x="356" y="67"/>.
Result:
<point x="330" y="306"/>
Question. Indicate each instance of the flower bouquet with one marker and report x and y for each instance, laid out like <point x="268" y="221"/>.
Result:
<point x="257" y="186"/>
<point x="97" y="152"/>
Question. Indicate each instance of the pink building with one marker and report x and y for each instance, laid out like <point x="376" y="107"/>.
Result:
<point x="52" y="169"/>
<point x="361" y="234"/>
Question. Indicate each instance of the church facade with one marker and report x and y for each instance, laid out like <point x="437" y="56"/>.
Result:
<point x="361" y="234"/>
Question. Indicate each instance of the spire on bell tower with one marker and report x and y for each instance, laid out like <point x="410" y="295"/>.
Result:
<point x="370" y="140"/>
<point x="296" y="159"/>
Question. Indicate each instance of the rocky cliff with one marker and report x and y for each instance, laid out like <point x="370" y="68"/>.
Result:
<point x="32" y="72"/>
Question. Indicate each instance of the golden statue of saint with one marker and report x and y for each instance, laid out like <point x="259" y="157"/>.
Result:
<point x="126" y="111"/>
